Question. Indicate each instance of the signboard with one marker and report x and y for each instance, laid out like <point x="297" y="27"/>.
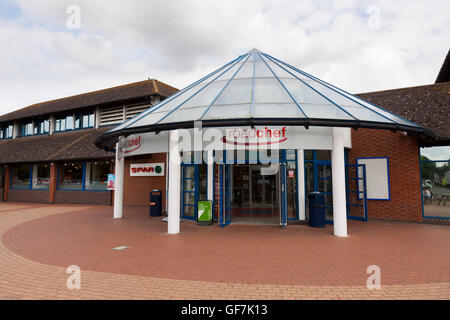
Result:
<point x="204" y="211"/>
<point x="291" y="174"/>
<point x="238" y="138"/>
<point x="147" y="170"/>
<point x="111" y="181"/>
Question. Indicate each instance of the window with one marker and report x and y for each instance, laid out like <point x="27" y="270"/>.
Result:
<point x="75" y="121"/>
<point x="97" y="175"/>
<point x="435" y="176"/>
<point x="41" y="127"/>
<point x="41" y="176"/>
<point x="70" y="176"/>
<point x="89" y="176"/>
<point x="20" y="178"/>
<point x="27" y="129"/>
<point x="6" y="132"/>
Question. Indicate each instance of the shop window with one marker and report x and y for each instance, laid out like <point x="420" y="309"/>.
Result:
<point x="97" y="175"/>
<point x="435" y="178"/>
<point x="21" y="176"/>
<point x="41" y="176"/>
<point x="70" y="176"/>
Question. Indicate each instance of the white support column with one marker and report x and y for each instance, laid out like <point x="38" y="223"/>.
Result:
<point x="118" y="186"/>
<point x="173" y="219"/>
<point x="301" y="184"/>
<point x="210" y="176"/>
<point x="338" y="176"/>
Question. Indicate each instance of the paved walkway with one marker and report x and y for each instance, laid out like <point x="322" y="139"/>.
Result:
<point x="39" y="242"/>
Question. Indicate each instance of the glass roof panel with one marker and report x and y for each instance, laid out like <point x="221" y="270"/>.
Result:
<point x="279" y="110"/>
<point x="238" y="92"/>
<point x="187" y="114"/>
<point x="269" y="90"/>
<point x="228" y="93"/>
<point x="324" y="111"/>
<point x="238" y="111"/>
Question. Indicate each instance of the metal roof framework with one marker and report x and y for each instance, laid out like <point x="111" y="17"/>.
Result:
<point x="258" y="89"/>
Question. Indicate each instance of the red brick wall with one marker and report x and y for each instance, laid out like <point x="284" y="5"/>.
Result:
<point x="137" y="189"/>
<point x="404" y="172"/>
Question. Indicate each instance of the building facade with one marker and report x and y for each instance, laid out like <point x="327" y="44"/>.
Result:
<point x="47" y="151"/>
<point x="48" y="155"/>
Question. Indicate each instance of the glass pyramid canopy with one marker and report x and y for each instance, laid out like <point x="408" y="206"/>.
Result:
<point x="258" y="89"/>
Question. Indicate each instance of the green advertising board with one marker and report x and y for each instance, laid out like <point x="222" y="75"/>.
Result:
<point x="204" y="212"/>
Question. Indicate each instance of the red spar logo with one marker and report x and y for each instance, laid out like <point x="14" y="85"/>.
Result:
<point x="255" y="137"/>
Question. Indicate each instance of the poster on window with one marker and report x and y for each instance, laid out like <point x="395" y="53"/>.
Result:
<point x="111" y="181"/>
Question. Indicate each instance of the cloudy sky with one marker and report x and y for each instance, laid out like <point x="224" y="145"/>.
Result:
<point x="357" y="45"/>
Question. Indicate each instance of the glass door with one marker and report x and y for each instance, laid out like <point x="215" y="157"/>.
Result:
<point x="189" y="194"/>
<point x="324" y="185"/>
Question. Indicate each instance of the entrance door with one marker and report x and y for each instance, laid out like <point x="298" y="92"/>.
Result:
<point x="189" y="191"/>
<point x="356" y="192"/>
<point x="324" y="185"/>
<point x="255" y="196"/>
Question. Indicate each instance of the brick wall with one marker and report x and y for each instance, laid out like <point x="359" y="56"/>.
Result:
<point x="404" y="172"/>
<point x="82" y="197"/>
<point x="32" y="196"/>
<point x="137" y="189"/>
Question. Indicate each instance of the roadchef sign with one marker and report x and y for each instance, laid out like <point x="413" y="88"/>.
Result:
<point x="147" y="169"/>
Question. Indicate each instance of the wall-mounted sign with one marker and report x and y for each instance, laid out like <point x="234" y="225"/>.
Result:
<point x="239" y="138"/>
<point x="111" y="181"/>
<point x="147" y="169"/>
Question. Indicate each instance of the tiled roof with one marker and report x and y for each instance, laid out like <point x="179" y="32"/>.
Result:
<point x="125" y="93"/>
<point x="73" y="145"/>
<point x="427" y="105"/>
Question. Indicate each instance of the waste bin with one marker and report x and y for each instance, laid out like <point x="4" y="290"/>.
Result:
<point x="155" y="203"/>
<point x="316" y="209"/>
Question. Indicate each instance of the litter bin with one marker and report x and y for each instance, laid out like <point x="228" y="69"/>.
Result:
<point x="155" y="203"/>
<point x="316" y="209"/>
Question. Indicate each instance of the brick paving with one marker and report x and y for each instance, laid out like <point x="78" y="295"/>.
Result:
<point x="39" y="242"/>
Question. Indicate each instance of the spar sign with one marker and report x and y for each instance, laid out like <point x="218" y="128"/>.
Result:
<point x="147" y="170"/>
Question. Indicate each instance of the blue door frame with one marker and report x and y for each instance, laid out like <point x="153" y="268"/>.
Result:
<point x="361" y="194"/>
<point x="225" y="189"/>
<point x="283" y="198"/>
<point x="225" y="195"/>
<point x="194" y="191"/>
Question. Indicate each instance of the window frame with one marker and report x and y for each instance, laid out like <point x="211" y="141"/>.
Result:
<point x="30" y="171"/>
<point x="78" y="116"/>
<point x="83" y="184"/>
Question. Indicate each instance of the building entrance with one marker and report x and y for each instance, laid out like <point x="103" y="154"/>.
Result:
<point x="255" y="194"/>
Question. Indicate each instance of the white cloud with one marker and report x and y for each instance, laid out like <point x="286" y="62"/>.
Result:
<point x="178" y="42"/>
